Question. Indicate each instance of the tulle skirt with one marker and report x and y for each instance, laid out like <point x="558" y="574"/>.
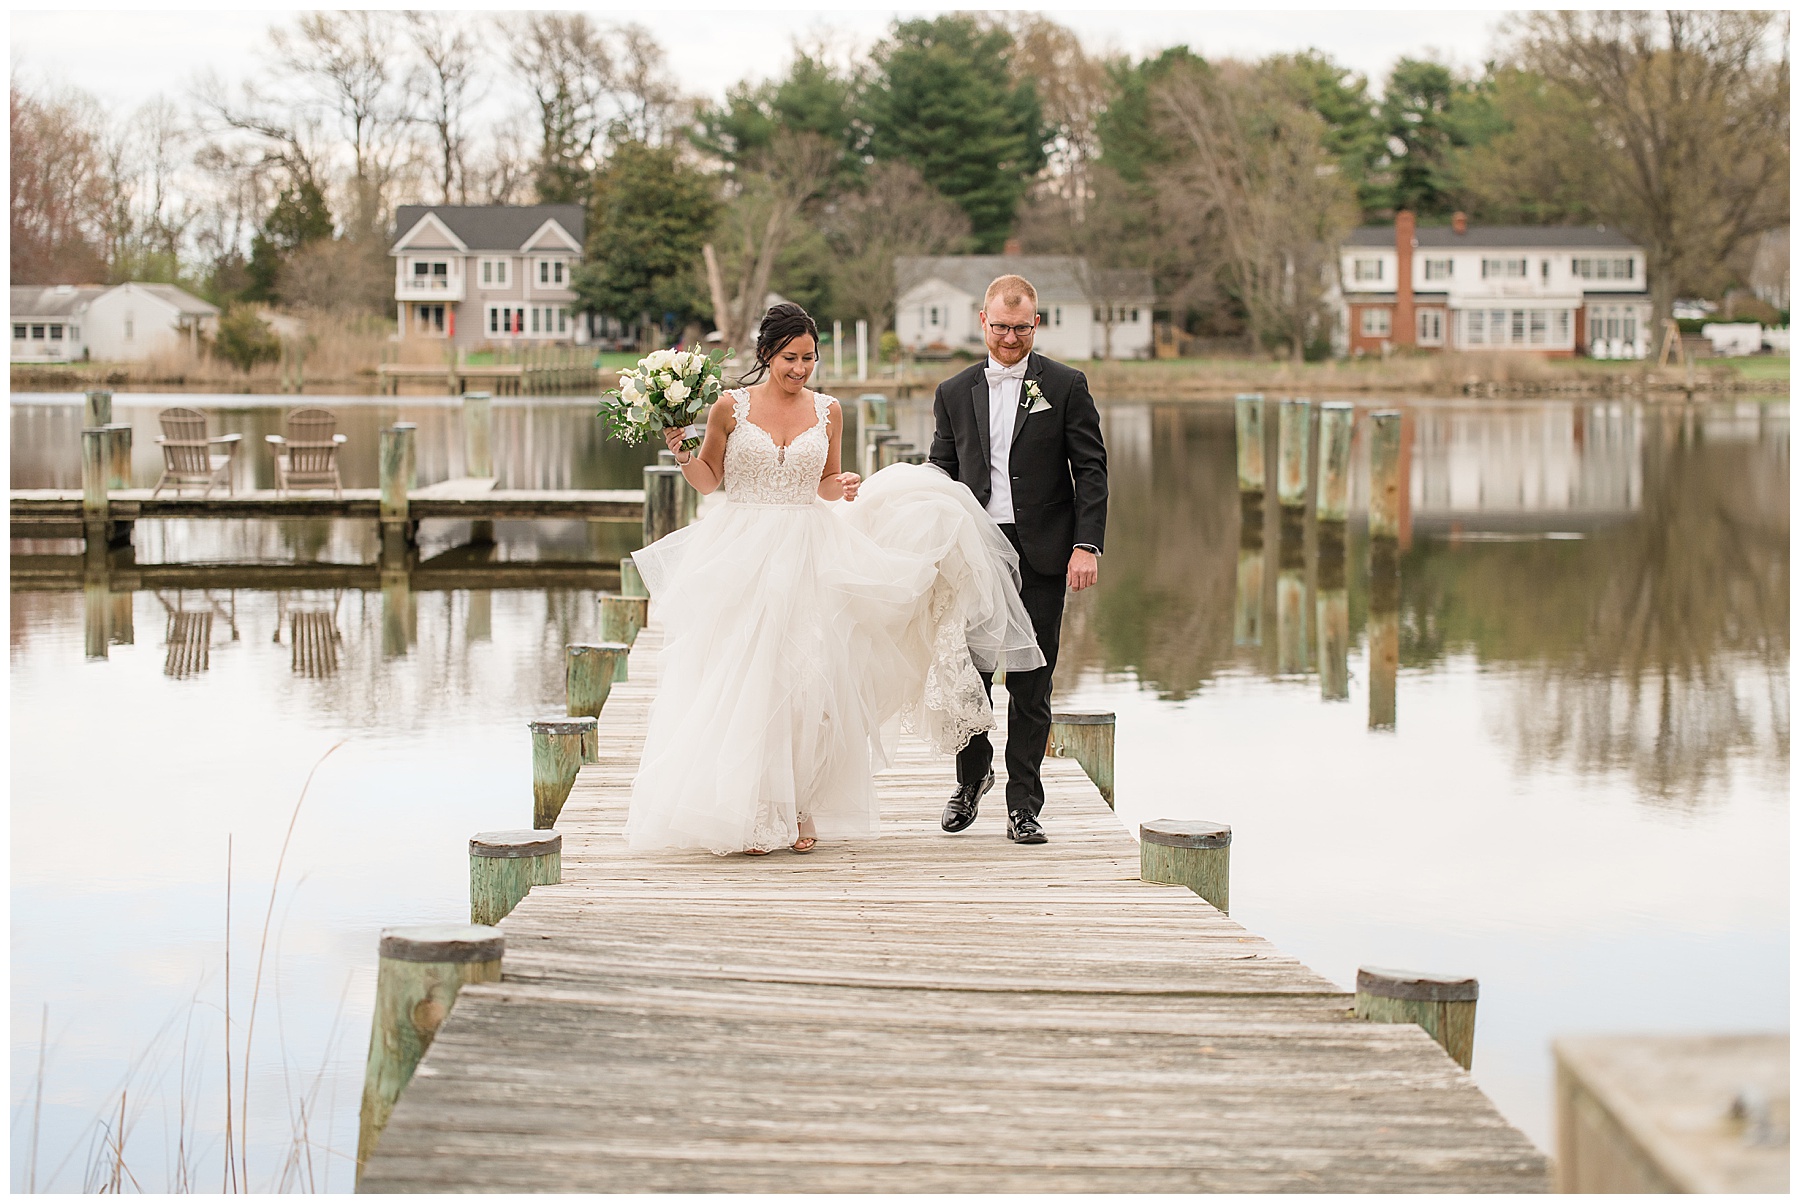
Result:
<point x="794" y="633"/>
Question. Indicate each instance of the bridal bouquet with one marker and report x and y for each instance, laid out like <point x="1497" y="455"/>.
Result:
<point x="667" y="388"/>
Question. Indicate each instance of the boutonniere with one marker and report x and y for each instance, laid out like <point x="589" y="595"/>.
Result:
<point x="1032" y="393"/>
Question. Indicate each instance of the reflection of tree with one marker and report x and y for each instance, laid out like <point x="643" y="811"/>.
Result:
<point x="1641" y="643"/>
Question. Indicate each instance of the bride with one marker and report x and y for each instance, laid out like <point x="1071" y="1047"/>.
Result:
<point x="796" y="628"/>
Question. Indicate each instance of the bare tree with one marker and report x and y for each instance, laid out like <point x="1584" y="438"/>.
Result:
<point x="1259" y="171"/>
<point x="502" y="172"/>
<point x="445" y="82"/>
<point x="757" y="224"/>
<point x="57" y="188"/>
<point x="647" y="100"/>
<point x="896" y="213"/>
<point x="1074" y="89"/>
<point x="1687" y="123"/>
<point x="564" y="60"/>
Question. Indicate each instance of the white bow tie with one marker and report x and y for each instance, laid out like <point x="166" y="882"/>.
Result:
<point x="996" y="375"/>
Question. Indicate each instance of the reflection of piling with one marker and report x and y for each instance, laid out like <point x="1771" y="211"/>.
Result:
<point x="1336" y="419"/>
<point x="1333" y="625"/>
<point x="1191" y="853"/>
<point x="1251" y="474"/>
<point x="399" y="607"/>
<point x="1384" y="476"/>
<point x="1246" y="626"/>
<point x="1293" y="651"/>
<point x="1291" y="462"/>
<point x="96" y="408"/>
<point x="1442" y="1005"/>
<point x="555" y="759"/>
<point x="504" y="866"/>
<point x="1384" y="634"/>
<point x="1087" y="736"/>
<point x="422" y="969"/>
<point x="95" y="507"/>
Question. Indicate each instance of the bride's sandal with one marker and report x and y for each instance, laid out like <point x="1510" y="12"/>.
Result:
<point x="756" y="852"/>
<point x="807" y="841"/>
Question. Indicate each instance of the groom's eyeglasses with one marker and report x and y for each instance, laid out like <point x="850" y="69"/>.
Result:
<point x="1017" y="332"/>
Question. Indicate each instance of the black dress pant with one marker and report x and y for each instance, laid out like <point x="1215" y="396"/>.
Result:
<point x="1028" y="696"/>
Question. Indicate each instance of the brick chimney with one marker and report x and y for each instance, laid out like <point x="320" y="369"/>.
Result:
<point x="1459" y="222"/>
<point x="1405" y="326"/>
<point x="1011" y="247"/>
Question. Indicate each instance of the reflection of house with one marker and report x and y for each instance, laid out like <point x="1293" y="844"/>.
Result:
<point x="46" y="322"/>
<point x="1088" y="313"/>
<point x="1582" y="462"/>
<point x="494" y="274"/>
<point x="137" y="321"/>
<point x="1554" y="290"/>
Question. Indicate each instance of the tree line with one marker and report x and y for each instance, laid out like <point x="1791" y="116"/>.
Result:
<point x="1232" y="182"/>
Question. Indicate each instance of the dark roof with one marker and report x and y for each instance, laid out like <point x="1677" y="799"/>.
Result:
<point x="494" y="227"/>
<point x="1433" y="237"/>
<point x="51" y="301"/>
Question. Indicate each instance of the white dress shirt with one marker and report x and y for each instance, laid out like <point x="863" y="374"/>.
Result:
<point x="1003" y="400"/>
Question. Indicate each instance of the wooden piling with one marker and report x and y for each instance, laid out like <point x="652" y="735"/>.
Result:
<point x="478" y="435"/>
<point x="891" y="451"/>
<point x="504" y="866"/>
<point x="1336" y="421"/>
<point x="1291" y="463"/>
<point x="1251" y="472"/>
<point x="1442" y="1005"/>
<point x="631" y="582"/>
<point x="398" y="458"/>
<point x="1384" y="475"/>
<point x="662" y="501"/>
<point x="421" y="970"/>
<point x="588" y="674"/>
<point x="1194" y="853"/>
<point x="621" y="619"/>
<point x="1087" y="736"/>
<point x="118" y="455"/>
<point x="555" y="760"/>
<point x="879" y="436"/>
<point x="96" y="408"/>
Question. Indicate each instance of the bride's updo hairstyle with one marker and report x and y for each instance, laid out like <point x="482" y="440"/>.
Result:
<point x="780" y="326"/>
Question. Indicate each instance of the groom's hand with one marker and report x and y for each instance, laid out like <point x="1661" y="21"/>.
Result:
<point x="1084" y="569"/>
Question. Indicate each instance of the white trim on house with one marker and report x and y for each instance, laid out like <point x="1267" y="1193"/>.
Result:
<point x="430" y="219"/>
<point x="550" y="226"/>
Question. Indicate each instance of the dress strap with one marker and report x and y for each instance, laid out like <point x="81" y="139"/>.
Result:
<point x="822" y="407"/>
<point x="740" y="405"/>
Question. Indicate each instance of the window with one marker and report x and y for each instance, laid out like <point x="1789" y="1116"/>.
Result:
<point x="18" y="331"/>
<point x="1059" y="315"/>
<point x="430" y="273"/>
<point x="129" y="325"/>
<point x="1545" y="271"/>
<point x="1475" y="326"/>
<point x="1503" y="269"/>
<point x="534" y="319"/>
<point x="1440" y="269"/>
<point x="37" y="331"/>
<point x="1097" y="316"/>
<point x="1431" y="327"/>
<point x="550" y="271"/>
<point x="1628" y="327"/>
<point x="562" y="321"/>
<point x="1376" y="322"/>
<point x="56" y="330"/>
<point x="1605" y="269"/>
<point x="934" y="315"/>
<point x="1562" y="328"/>
<point x="1367" y="269"/>
<point x="487" y="271"/>
<point x="1134" y="316"/>
<point x="1539" y="324"/>
<point x="74" y="332"/>
<point x="493" y="320"/>
<point x="1496" y="327"/>
<point x="493" y="271"/>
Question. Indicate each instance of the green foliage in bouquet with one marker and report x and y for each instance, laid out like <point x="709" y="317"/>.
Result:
<point x="667" y="388"/>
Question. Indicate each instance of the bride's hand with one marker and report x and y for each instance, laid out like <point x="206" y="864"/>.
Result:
<point x="850" y="483"/>
<point x="673" y="435"/>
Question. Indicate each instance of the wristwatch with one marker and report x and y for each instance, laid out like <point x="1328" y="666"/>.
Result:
<point x="1088" y="547"/>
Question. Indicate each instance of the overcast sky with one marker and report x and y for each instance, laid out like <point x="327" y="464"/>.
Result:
<point x="127" y="57"/>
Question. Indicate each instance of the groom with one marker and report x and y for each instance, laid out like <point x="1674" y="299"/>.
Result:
<point x="1022" y="433"/>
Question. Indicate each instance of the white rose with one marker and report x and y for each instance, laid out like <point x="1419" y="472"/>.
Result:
<point x="676" y="392"/>
<point x="660" y="359"/>
<point x="628" y="391"/>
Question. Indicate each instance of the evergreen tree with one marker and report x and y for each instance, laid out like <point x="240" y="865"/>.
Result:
<point x="943" y="99"/>
<point x="649" y="216"/>
<point x="813" y="98"/>
<point x="1430" y="116"/>
<point x="1130" y="143"/>
<point x="300" y="216"/>
<point x="1354" y="134"/>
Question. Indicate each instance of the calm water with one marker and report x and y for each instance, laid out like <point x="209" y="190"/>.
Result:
<point x="1575" y="788"/>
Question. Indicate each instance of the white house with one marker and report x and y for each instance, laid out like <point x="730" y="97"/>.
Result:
<point x="1553" y="290"/>
<point x="494" y="274"/>
<point x="47" y="322"/>
<point x="136" y="321"/>
<point x="1087" y="313"/>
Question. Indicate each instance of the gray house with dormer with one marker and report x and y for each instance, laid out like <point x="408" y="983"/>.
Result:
<point x="489" y="275"/>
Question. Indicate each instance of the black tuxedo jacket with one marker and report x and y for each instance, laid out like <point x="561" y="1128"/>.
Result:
<point x="1058" y="459"/>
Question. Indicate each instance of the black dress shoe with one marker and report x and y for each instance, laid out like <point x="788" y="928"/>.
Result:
<point x="959" y="812"/>
<point x="1022" y="827"/>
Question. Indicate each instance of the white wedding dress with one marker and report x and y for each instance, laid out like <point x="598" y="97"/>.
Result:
<point x="796" y="628"/>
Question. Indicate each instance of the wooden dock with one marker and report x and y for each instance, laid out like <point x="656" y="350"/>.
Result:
<point x="920" y="1012"/>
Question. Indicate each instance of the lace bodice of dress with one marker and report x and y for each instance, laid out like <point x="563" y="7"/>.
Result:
<point x="759" y="472"/>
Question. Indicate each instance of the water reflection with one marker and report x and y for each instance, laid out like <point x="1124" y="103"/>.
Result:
<point x="1628" y="565"/>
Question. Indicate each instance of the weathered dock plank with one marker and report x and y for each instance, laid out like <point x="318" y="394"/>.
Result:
<point x="454" y="500"/>
<point x="919" y="1012"/>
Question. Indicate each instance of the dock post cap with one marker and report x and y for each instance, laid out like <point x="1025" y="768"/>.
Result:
<point x="1249" y="397"/>
<point x="478" y="396"/>
<point x="1385" y="414"/>
<point x="601" y="645"/>
<point x="563" y="725"/>
<point x="516" y="842"/>
<point x="1337" y="405"/>
<point x="443" y="943"/>
<point x="1410" y="984"/>
<point x="404" y="426"/>
<point x="1186" y="833"/>
<point x="1083" y="716"/>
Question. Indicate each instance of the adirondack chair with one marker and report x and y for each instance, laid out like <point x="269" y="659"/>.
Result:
<point x="189" y="457"/>
<point x="306" y="458"/>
